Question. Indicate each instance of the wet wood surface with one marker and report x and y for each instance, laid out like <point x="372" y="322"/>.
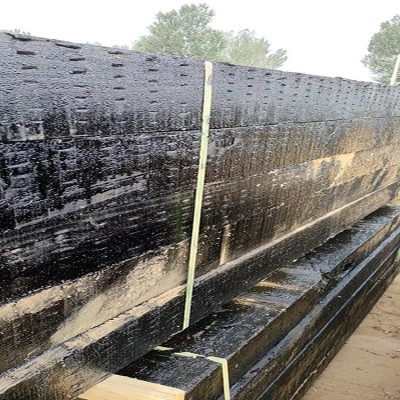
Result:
<point x="275" y="334"/>
<point x="98" y="160"/>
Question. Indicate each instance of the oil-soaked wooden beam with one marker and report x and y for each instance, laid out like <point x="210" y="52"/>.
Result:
<point x="41" y="319"/>
<point x="80" y="363"/>
<point x="153" y="93"/>
<point x="279" y="367"/>
<point x="59" y="313"/>
<point x="314" y="357"/>
<point x="53" y="309"/>
<point x="134" y="218"/>
<point x="96" y="140"/>
<point x="98" y="158"/>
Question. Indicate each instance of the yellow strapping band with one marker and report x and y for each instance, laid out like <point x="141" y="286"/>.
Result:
<point x="218" y="360"/>
<point x="225" y="375"/>
<point x="201" y="174"/>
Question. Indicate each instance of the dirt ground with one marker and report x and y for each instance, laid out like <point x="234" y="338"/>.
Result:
<point x="368" y="366"/>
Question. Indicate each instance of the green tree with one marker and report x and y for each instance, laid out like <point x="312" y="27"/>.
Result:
<point x="244" y="48"/>
<point x="185" y="32"/>
<point x="383" y="49"/>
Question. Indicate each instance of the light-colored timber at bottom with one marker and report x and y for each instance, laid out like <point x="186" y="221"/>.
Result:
<point x="118" y="387"/>
<point x="367" y="367"/>
<point x="329" y="301"/>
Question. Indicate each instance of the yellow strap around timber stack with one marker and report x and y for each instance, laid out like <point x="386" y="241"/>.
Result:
<point x="117" y="387"/>
<point x="201" y="174"/>
<point x="218" y="360"/>
<point x="124" y="388"/>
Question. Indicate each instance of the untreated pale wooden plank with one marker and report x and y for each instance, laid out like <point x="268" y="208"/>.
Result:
<point x="118" y="387"/>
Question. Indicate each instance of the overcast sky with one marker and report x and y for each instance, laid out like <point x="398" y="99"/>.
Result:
<point x="321" y="37"/>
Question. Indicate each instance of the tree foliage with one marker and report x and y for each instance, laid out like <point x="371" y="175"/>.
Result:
<point x="244" y="48"/>
<point x="383" y="49"/>
<point x="187" y="32"/>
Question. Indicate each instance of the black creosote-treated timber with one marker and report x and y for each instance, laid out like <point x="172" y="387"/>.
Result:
<point x="307" y="364"/>
<point x="98" y="162"/>
<point x="67" y="370"/>
<point x="263" y="332"/>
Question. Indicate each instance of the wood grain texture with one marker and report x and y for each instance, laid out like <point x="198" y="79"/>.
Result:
<point x="331" y="338"/>
<point x="101" y="292"/>
<point x="80" y="363"/>
<point x="98" y="159"/>
<point x="118" y="387"/>
<point x="306" y="349"/>
<point x="282" y="370"/>
<point x="51" y="313"/>
<point x="101" y="169"/>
